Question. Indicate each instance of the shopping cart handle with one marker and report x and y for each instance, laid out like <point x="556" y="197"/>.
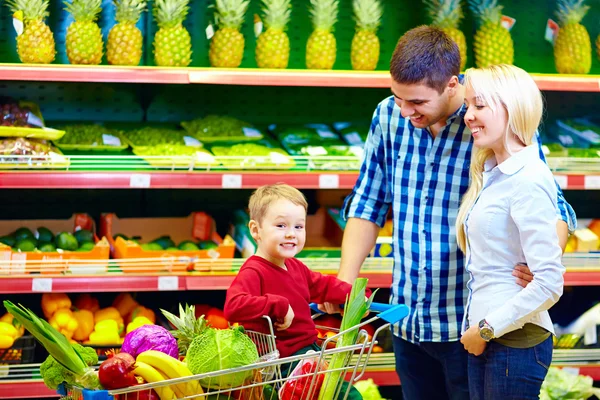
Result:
<point x="391" y="313"/>
<point x="377" y="307"/>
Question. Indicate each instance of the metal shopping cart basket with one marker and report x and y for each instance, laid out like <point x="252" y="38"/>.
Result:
<point x="299" y="377"/>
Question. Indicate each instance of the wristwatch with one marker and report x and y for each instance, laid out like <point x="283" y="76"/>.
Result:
<point x="485" y="330"/>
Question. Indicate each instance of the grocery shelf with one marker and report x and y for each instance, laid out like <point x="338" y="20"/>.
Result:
<point x="170" y="273"/>
<point x="247" y="76"/>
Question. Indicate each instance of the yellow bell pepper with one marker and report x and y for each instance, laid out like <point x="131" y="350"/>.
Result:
<point x="64" y="322"/>
<point x="10" y="319"/>
<point x="51" y="302"/>
<point x="7" y="329"/>
<point x="125" y="303"/>
<point x="6" y="341"/>
<point x="137" y="322"/>
<point x="110" y="313"/>
<point x="106" y="333"/>
<point x="85" y="318"/>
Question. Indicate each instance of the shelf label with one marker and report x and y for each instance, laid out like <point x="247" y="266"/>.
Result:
<point x="551" y="31"/>
<point x="354" y="139"/>
<point x="507" y="22"/>
<point x="168" y="283"/>
<point x="191" y="141"/>
<point x="592" y="182"/>
<point x="110" y="140"/>
<point x="591" y="336"/>
<point x="210" y="31"/>
<point x="571" y="370"/>
<point x="18" y="22"/>
<point x="140" y="181"/>
<point x="251" y="132"/>
<point x="41" y="285"/>
<point x="562" y="180"/>
<point x="231" y="181"/>
<point x="258" y="25"/>
<point x="327" y="181"/>
<point x="326" y="134"/>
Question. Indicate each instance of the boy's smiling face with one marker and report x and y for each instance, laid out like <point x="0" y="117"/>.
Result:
<point x="281" y="234"/>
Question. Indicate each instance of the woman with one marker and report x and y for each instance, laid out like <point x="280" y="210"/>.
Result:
<point x="508" y="216"/>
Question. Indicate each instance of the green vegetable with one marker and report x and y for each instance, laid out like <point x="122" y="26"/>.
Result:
<point x="8" y="240"/>
<point x="26" y="245"/>
<point x="45" y="235"/>
<point x="54" y="373"/>
<point x="84" y="236"/>
<point x="57" y="345"/>
<point x="46" y="247"/>
<point x="66" y="241"/>
<point x="368" y="389"/>
<point x="354" y="309"/>
<point x="560" y="385"/>
<point x="218" y="349"/>
<point x="23" y="233"/>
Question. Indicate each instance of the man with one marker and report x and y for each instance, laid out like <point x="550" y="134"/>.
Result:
<point x="417" y="160"/>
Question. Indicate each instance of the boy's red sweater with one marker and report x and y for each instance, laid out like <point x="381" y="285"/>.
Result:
<point x="263" y="288"/>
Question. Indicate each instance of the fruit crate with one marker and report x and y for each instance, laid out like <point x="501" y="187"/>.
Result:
<point x="198" y="226"/>
<point x="55" y="262"/>
<point x="21" y="352"/>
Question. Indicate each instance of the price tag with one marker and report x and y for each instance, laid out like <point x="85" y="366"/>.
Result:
<point x="140" y="181"/>
<point x="354" y="138"/>
<point x="316" y="151"/>
<point x="278" y="158"/>
<point x="591" y="336"/>
<point x="18" y="22"/>
<point x="110" y="140"/>
<point x="341" y="125"/>
<point x="507" y="22"/>
<point x="571" y="370"/>
<point x="230" y="181"/>
<point x="562" y="180"/>
<point x="327" y="181"/>
<point x="168" y="283"/>
<point x="326" y="134"/>
<point x="552" y="29"/>
<point x="190" y="141"/>
<point x="18" y="262"/>
<point x="41" y="285"/>
<point x="258" y="25"/>
<point x="251" y="132"/>
<point x="592" y="182"/>
<point x="210" y="31"/>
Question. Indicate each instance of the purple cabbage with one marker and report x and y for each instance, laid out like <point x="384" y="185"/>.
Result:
<point x="150" y="337"/>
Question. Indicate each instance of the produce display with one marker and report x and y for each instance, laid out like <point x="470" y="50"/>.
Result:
<point x="227" y="44"/>
<point x="364" y="53"/>
<point x="84" y="38"/>
<point x="172" y="42"/>
<point x="573" y="47"/>
<point x="23" y="239"/>
<point x="166" y="243"/>
<point x="124" y="46"/>
<point x="90" y="137"/>
<point x="18" y="114"/>
<point x="321" y="48"/>
<point x="447" y="15"/>
<point x="253" y="155"/>
<point x="152" y="136"/>
<point x="35" y="45"/>
<point x="493" y="43"/>
<point x="215" y="128"/>
<point x="273" y="45"/>
<point x="353" y="134"/>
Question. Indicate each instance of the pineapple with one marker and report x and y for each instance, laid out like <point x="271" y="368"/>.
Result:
<point x="598" y="46"/>
<point x="36" y="43"/>
<point x="446" y="15"/>
<point x="124" y="45"/>
<point x="227" y="45"/>
<point x="364" y="54"/>
<point x="493" y="43"/>
<point x="172" y="42"/>
<point x="84" y="38"/>
<point x="273" y="45"/>
<point x="321" y="45"/>
<point x="573" y="47"/>
<point x="187" y="326"/>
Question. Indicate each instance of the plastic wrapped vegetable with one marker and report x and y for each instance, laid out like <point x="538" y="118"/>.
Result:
<point x="150" y="337"/>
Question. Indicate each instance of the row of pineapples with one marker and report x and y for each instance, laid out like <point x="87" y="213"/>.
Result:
<point x="493" y="43"/>
<point x="172" y="43"/>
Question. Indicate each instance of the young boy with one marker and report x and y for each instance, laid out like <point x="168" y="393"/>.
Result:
<point x="273" y="283"/>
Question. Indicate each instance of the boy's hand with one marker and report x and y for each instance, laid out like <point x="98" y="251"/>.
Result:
<point x="287" y="321"/>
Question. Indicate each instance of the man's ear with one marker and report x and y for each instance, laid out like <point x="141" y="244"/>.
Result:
<point x="453" y="85"/>
<point x="253" y="226"/>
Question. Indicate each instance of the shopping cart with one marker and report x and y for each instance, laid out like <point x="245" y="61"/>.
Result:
<point x="299" y="377"/>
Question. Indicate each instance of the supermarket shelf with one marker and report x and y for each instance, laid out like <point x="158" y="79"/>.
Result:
<point x="247" y="76"/>
<point x="25" y="389"/>
<point x="213" y="180"/>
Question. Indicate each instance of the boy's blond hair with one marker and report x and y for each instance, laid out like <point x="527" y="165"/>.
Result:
<point x="264" y="196"/>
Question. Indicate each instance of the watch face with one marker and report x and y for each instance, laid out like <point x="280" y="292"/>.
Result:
<point x="486" y="334"/>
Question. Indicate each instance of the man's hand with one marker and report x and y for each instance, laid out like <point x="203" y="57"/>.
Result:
<point x="473" y="343"/>
<point x="523" y="275"/>
<point x="287" y="321"/>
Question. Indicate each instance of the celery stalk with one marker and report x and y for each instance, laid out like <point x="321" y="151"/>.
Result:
<point x="356" y="306"/>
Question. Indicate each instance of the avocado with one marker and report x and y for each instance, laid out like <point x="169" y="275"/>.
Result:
<point x="207" y="245"/>
<point x="188" y="245"/>
<point x="46" y="247"/>
<point x="8" y="240"/>
<point x="164" y="242"/>
<point x="45" y="235"/>
<point x="84" y="236"/>
<point x="26" y="244"/>
<point x="87" y="246"/>
<point x="151" y="247"/>
<point x="66" y="241"/>
<point x="23" y="233"/>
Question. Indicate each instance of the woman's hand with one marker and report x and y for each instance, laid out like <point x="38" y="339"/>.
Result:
<point x="473" y="342"/>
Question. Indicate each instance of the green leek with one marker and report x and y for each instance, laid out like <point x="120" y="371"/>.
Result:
<point x="355" y="308"/>
<point x="56" y="344"/>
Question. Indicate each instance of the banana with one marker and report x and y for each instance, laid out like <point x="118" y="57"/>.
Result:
<point x="172" y="368"/>
<point x="151" y="375"/>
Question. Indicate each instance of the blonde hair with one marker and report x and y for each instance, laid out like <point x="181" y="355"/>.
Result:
<point x="513" y="89"/>
<point x="264" y="196"/>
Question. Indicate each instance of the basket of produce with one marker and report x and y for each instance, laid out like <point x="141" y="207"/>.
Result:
<point x="214" y="128"/>
<point x="91" y="137"/>
<point x="24" y="119"/>
<point x="150" y="136"/>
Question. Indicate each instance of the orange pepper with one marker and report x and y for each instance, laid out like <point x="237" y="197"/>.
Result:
<point x="51" y="302"/>
<point x="85" y="318"/>
<point x="64" y="322"/>
<point x="141" y="311"/>
<point x="87" y="302"/>
<point x="125" y="303"/>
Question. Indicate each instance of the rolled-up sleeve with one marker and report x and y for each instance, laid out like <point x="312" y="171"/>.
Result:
<point x="371" y="197"/>
<point x="533" y="210"/>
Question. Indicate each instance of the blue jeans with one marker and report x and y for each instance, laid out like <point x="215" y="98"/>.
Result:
<point x="431" y="370"/>
<point x="505" y="373"/>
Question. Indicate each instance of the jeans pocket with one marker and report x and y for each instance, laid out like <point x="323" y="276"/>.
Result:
<point x="543" y="353"/>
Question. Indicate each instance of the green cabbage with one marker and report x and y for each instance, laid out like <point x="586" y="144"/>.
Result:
<point x="221" y="349"/>
<point x="562" y="385"/>
<point x="368" y="389"/>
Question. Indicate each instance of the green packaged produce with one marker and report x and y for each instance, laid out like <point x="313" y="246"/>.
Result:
<point x="90" y="137"/>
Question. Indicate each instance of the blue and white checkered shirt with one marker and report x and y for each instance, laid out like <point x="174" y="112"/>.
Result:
<point x="423" y="178"/>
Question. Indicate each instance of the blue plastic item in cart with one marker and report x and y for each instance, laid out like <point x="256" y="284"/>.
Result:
<point x="87" y="394"/>
<point x="391" y="313"/>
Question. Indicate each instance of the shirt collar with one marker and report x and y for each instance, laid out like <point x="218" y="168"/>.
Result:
<point x="515" y="162"/>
